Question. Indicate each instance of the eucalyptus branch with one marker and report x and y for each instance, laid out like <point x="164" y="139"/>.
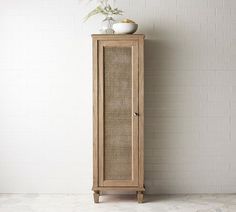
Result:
<point x="105" y="9"/>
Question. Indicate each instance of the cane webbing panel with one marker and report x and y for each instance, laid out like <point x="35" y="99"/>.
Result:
<point x="117" y="113"/>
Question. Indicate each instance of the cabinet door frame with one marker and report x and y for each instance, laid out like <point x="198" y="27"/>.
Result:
<point x="133" y="44"/>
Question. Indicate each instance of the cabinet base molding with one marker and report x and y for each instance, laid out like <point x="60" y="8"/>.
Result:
<point x="98" y="190"/>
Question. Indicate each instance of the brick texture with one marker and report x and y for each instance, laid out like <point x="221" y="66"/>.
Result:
<point x="46" y="95"/>
<point x="190" y="77"/>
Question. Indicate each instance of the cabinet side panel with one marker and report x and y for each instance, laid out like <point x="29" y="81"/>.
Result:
<point x="141" y="111"/>
<point x="95" y="113"/>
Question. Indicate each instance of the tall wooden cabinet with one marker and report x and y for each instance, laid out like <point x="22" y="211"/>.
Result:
<point x="118" y="113"/>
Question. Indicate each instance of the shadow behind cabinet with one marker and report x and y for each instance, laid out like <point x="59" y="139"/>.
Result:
<point x="118" y="113"/>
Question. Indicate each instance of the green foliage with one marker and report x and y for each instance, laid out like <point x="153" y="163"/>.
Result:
<point x="105" y="9"/>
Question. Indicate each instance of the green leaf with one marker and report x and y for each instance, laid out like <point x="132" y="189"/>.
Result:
<point x="103" y="8"/>
<point x="95" y="11"/>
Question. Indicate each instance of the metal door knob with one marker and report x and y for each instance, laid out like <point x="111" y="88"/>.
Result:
<point x="135" y="114"/>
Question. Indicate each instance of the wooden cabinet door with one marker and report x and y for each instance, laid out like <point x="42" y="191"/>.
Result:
<point x="118" y="108"/>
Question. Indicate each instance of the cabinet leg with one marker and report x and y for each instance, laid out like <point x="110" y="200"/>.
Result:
<point x="140" y="196"/>
<point x="96" y="196"/>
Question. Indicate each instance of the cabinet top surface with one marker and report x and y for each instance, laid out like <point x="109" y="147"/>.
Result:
<point x="118" y="35"/>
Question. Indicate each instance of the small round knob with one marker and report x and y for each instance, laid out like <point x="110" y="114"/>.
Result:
<point x="135" y="114"/>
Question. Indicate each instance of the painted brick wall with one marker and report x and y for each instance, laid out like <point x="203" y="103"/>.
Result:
<point x="190" y="79"/>
<point x="46" y="95"/>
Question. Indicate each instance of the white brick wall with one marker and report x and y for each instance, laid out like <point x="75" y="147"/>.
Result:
<point x="190" y="80"/>
<point x="46" y="95"/>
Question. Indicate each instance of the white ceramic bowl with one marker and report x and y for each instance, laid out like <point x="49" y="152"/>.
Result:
<point x="125" y="28"/>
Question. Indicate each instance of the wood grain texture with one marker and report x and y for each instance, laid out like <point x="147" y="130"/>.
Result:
<point x="118" y="36"/>
<point x="101" y="114"/>
<point x="140" y="197"/>
<point x="103" y="89"/>
<point x="95" y="113"/>
<point x="118" y="188"/>
<point x="118" y="94"/>
<point x="141" y="112"/>
<point x="96" y="196"/>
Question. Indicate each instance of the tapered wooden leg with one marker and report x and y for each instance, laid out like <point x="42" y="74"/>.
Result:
<point x="96" y="196"/>
<point x="140" y="196"/>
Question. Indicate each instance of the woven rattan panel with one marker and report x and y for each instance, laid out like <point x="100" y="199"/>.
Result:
<point x="117" y="113"/>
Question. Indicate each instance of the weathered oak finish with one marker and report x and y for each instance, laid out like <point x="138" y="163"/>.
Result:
<point x="140" y="196"/>
<point x="96" y="196"/>
<point x="118" y="113"/>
